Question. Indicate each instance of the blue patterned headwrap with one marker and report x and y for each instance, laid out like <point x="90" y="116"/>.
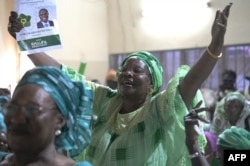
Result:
<point x="153" y="65"/>
<point x="3" y="100"/>
<point x="74" y="101"/>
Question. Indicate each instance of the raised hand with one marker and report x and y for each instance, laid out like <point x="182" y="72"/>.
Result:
<point x="14" y="25"/>
<point x="191" y="122"/>
<point x="219" y="29"/>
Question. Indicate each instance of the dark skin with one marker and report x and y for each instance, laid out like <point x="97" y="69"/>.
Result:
<point x="37" y="125"/>
<point x="190" y="121"/>
<point x="192" y="81"/>
<point x="43" y="15"/>
<point x="134" y="84"/>
<point x="233" y="109"/>
<point x="135" y="93"/>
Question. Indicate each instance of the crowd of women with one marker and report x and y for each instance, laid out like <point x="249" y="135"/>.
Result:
<point x="49" y="115"/>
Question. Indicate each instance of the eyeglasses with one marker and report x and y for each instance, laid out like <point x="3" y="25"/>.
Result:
<point x="30" y="110"/>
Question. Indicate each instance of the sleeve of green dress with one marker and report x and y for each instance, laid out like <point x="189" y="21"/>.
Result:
<point x="177" y="153"/>
<point x="101" y="93"/>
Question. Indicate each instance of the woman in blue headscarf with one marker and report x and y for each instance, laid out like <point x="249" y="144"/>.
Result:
<point x="48" y="113"/>
<point x="138" y="124"/>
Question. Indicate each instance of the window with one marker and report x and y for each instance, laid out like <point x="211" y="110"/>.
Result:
<point x="236" y="57"/>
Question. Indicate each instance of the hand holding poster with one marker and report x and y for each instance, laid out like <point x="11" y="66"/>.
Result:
<point x="39" y="26"/>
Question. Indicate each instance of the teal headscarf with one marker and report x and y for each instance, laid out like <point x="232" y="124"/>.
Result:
<point x="3" y="100"/>
<point x="74" y="101"/>
<point x="234" y="138"/>
<point x="153" y="65"/>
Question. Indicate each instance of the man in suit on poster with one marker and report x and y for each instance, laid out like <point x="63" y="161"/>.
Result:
<point x="44" y="19"/>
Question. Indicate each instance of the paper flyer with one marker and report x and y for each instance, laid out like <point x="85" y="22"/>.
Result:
<point x="40" y="29"/>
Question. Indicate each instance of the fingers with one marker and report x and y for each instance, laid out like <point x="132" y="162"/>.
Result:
<point x="13" y="17"/>
<point x="13" y="13"/>
<point x="227" y="9"/>
<point x="199" y="110"/>
<point x="193" y="115"/>
<point x="224" y="15"/>
<point x="14" y="25"/>
<point x="202" y="119"/>
<point x="198" y="104"/>
<point x="191" y="121"/>
<point x="217" y="15"/>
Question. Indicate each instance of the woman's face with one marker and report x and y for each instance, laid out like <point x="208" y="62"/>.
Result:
<point x="134" y="79"/>
<point x="31" y="119"/>
<point x="233" y="109"/>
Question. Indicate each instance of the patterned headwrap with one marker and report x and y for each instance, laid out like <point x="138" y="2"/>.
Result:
<point x="234" y="138"/>
<point x="153" y="65"/>
<point x="235" y="96"/>
<point x="3" y="100"/>
<point x="74" y="101"/>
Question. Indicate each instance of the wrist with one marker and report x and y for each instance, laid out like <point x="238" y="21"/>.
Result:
<point x="192" y="146"/>
<point x="216" y="49"/>
<point x="212" y="54"/>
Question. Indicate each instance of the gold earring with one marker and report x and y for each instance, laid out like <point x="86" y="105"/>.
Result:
<point x="58" y="132"/>
<point x="150" y="91"/>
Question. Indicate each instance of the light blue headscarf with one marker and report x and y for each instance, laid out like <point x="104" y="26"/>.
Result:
<point x="3" y="99"/>
<point x="74" y="101"/>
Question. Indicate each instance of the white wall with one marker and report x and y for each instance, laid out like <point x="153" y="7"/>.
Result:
<point x="9" y="62"/>
<point x="93" y="29"/>
<point x="83" y="27"/>
<point x="84" y="34"/>
<point x="177" y="29"/>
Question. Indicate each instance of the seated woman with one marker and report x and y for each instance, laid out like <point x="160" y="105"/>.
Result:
<point x="48" y="114"/>
<point x="230" y="111"/>
<point x="234" y="138"/>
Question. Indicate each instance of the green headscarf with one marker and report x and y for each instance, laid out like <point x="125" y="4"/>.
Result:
<point x="74" y="101"/>
<point x="231" y="96"/>
<point x="153" y="65"/>
<point x="235" y="96"/>
<point x="234" y="138"/>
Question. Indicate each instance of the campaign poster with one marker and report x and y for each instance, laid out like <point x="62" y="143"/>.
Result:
<point x="40" y="28"/>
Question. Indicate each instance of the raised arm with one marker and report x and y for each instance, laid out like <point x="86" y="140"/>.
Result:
<point x="38" y="59"/>
<point x="42" y="59"/>
<point x="204" y="66"/>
